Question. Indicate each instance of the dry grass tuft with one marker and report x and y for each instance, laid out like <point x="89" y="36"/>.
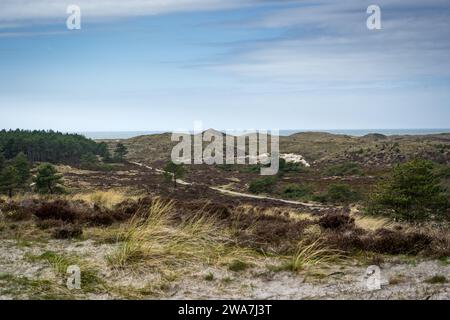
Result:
<point x="313" y="255"/>
<point x="371" y="223"/>
<point x="149" y="240"/>
<point x="105" y="199"/>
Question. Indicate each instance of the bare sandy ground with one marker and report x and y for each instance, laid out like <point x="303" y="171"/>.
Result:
<point x="400" y="278"/>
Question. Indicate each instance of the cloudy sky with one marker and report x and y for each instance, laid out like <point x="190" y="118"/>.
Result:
<point x="233" y="64"/>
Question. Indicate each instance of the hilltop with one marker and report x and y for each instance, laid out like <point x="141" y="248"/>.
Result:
<point x="320" y="148"/>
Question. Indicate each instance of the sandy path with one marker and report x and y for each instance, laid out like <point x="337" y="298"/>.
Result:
<point x="236" y="193"/>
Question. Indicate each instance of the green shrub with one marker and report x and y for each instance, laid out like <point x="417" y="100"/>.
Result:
<point x="294" y="191"/>
<point x="344" y="169"/>
<point x="209" y="277"/>
<point x="91" y="162"/>
<point x="238" y="265"/>
<point x="262" y="185"/>
<point x="438" y="279"/>
<point x="291" y="167"/>
<point x="226" y="167"/>
<point x="411" y="192"/>
<point x="338" y="193"/>
<point x="48" y="180"/>
<point x="443" y="171"/>
<point x="256" y="168"/>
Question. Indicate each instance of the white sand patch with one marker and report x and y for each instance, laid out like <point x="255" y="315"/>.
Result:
<point x="295" y="158"/>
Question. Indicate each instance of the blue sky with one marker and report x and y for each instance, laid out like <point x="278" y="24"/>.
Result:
<point x="160" y="65"/>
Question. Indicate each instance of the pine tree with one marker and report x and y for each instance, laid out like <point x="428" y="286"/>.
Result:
<point x="48" y="180"/>
<point x="412" y="192"/>
<point x="174" y="172"/>
<point x="103" y="151"/>
<point x="8" y="180"/>
<point x="120" y="152"/>
<point x="23" y="169"/>
<point x="2" y="161"/>
<point x="89" y="161"/>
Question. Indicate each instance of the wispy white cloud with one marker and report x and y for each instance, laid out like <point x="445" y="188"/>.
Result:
<point x="327" y="44"/>
<point x="20" y="10"/>
<point x="322" y="43"/>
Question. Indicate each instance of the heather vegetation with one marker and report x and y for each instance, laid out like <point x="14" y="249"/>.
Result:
<point x="344" y="169"/>
<point x="222" y="231"/>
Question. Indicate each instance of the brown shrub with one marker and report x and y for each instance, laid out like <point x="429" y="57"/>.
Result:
<point x="440" y="247"/>
<point x="337" y="221"/>
<point x="395" y="242"/>
<point x="15" y="212"/>
<point x="49" y="224"/>
<point x="127" y="209"/>
<point x="56" y="210"/>
<point x="184" y="210"/>
<point x="98" y="217"/>
<point x="382" y="241"/>
<point x="68" y="232"/>
<point x="348" y="241"/>
<point x="263" y="232"/>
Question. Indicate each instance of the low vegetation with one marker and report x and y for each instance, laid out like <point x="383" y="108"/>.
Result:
<point x="149" y="240"/>
<point x="344" y="169"/>
<point x="411" y="192"/>
<point x="296" y="191"/>
<point x="262" y="185"/>
<point x="339" y="194"/>
<point x="138" y="237"/>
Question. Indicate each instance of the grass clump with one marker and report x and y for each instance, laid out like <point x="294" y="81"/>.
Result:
<point x="34" y="289"/>
<point x="90" y="281"/>
<point x="104" y="199"/>
<point x="238" y="265"/>
<point x="344" y="169"/>
<point x="209" y="277"/>
<point x="262" y="185"/>
<point x="150" y="239"/>
<point x="58" y="262"/>
<point x="309" y="256"/>
<point x="437" y="279"/>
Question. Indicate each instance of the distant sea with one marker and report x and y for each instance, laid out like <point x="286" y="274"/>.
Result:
<point x="103" y="135"/>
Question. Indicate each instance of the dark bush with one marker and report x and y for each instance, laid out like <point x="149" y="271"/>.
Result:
<point x="383" y="241"/>
<point x="262" y="185"/>
<point x="337" y="221"/>
<point x="57" y="210"/>
<point x="394" y="242"/>
<point x="49" y="224"/>
<point x="294" y="191"/>
<point x="286" y="167"/>
<point x="338" y="193"/>
<point x="15" y="212"/>
<point x="68" y="232"/>
<point x="267" y="233"/>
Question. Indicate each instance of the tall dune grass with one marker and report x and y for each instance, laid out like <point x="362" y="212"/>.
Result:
<point x="150" y="240"/>
<point x="106" y="199"/>
<point x="314" y="254"/>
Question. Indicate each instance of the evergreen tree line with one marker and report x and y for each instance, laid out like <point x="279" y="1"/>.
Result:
<point x="19" y="149"/>
<point x="49" y="146"/>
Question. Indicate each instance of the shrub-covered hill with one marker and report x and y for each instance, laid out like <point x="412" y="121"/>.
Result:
<point x="322" y="148"/>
